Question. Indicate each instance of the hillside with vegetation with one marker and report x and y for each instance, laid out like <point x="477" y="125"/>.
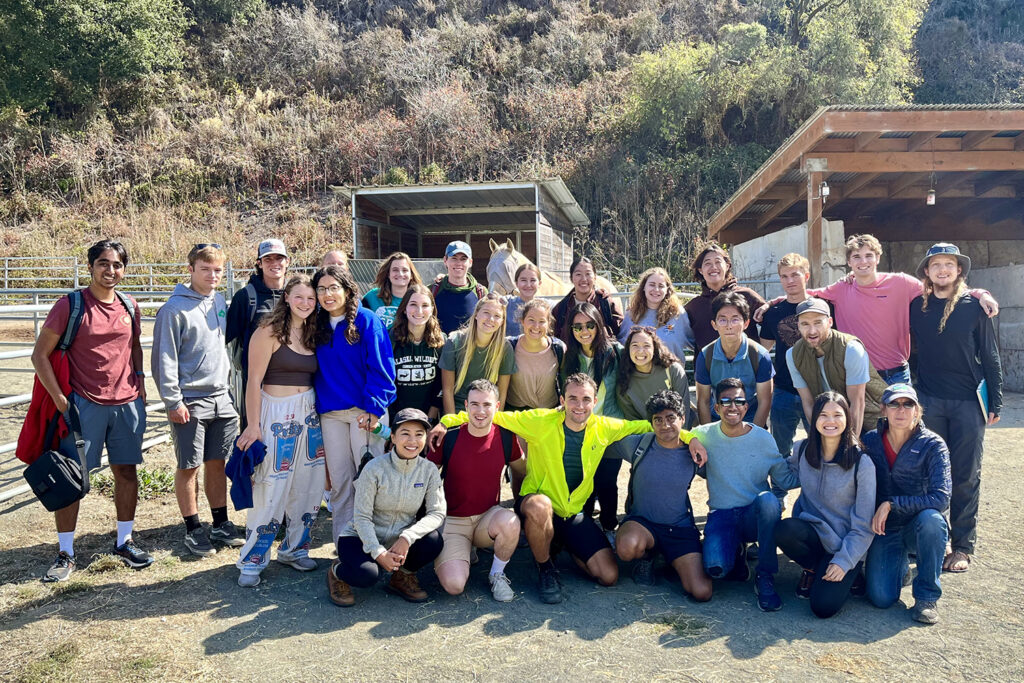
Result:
<point x="167" y="122"/>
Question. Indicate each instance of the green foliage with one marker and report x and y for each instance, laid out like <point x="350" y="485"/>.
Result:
<point x="433" y="173"/>
<point x="393" y="176"/>
<point x="153" y="482"/>
<point x="59" y="56"/>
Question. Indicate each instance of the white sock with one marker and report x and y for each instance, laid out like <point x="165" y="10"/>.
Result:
<point x="124" y="531"/>
<point x="66" y="541"/>
<point x="498" y="566"/>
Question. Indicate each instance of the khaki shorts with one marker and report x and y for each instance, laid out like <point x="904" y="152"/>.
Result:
<point x="462" y="533"/>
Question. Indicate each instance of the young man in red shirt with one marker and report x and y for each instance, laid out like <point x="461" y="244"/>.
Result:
<point x="472" y="488"/>
<point x="108" y="391"/>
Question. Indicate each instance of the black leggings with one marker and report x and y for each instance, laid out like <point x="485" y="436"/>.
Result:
<point x="800" y="542"/>
<point x="357" y="568"/>
<point x="606" y="492"/>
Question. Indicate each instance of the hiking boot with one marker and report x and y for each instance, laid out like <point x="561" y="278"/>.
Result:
<point x="764" y="588"/>
<point x="803" y="587"/>
<point x="132" y="555"/>
<point x="301" y="564"/>
<point x="338" y="591"/>
<point x="550" y="587"/>
<point x="406" y="585"/>
<point x="198" y="543"/>
<point x="228" y="534"/>
<point x="248" y="580"/>
<point x="643" y="572"/>
<point x="501" y="587"/>
<point x="61" y="568"/>
<point x="925" y="611"/>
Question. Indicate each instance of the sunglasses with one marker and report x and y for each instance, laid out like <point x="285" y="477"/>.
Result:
<point x="206" y="245"/>
<point x="901" y="404"/>
<point x="732" y="401"/>
<point x="579" y="327"/>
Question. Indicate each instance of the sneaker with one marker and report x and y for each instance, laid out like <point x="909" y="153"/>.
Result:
<point x="550" y="587"/>
<point x="338" y="591"/>
<point x="643" y="572"/>
<point x="198" y="543"/>
<point x="228" y="534"/>
<point x="132" y="555"/>
<point x="752" y="551"/>
<point x="248" y="580"/>
<point x="302" y="564"/>
<point x="925" y="611"/>
<point x="406" y="586"/>
<point x="764" y="588"/>
<point x="610" y="535"/>
<point x="61" y="568"/>
<point x="501" y="587"/>
<point x="803" y="588"/>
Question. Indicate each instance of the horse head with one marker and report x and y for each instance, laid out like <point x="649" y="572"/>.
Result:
<point x="501" y="268"/>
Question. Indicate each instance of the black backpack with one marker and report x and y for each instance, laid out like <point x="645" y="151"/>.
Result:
<point x="448" y="447"/>
<point x="641" y="450"/>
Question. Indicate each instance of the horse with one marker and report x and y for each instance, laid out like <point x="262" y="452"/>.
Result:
<point x="505" y="260"/>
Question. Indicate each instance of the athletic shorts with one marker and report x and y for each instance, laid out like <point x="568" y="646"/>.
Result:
<point x="208" y="435"/>
<point x="579" y="534"/>
<point x="672" y="541"/>
<point x="119" y="427"/>
<point x="462" y="534"/>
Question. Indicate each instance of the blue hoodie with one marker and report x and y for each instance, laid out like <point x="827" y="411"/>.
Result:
<point x="360" y="375"/>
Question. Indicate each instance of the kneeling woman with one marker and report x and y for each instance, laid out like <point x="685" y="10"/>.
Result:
<point x="830" y="531"/>
<point x="289" y="483"/>
<point x="387" y="532"/>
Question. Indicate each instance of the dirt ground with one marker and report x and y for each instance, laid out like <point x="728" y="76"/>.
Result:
<point x="186" y="619"/>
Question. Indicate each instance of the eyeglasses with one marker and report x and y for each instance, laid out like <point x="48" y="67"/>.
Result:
<point x="579" y="327"/>
<point x="906" y="405"/>
<point x="727" y="401"/>
<point x="333" y="289"/>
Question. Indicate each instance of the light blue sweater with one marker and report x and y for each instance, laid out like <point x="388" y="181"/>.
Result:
<point x="739" y="466"/>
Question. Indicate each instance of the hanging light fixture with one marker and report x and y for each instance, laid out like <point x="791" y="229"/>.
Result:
<point x="930" y="199"/>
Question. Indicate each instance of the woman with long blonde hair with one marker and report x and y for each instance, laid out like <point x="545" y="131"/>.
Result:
<point x="394" y="277"/>
<point x="289" y="483"/>
<point x="477" y="351"/>
<point x="656" y="304"/>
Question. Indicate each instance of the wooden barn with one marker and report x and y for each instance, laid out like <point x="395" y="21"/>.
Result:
<point x="537" y="215"/>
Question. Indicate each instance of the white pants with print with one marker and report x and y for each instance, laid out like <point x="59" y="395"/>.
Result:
<point x="288" y="484"/>
<point x="345" y="444"/>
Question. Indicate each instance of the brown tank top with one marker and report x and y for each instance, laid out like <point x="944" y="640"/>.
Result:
<point x="290" y="369"/>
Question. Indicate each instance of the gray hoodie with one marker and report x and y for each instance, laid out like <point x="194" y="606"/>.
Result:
<point x="838" y="503"/>
<point x="189" y="358"/>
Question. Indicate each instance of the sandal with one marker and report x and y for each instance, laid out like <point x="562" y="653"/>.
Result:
<point x="956" y="562"/>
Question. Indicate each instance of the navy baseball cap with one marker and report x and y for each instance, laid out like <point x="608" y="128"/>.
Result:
<point x="410" y="415"/>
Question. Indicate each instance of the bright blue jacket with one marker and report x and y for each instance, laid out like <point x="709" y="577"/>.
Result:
<point x="360" y="375"/>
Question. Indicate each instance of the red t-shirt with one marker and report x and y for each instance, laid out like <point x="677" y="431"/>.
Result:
<point x="100" y="356"/>
<point x="472" y="484"/>
<point x="890" y="454"/>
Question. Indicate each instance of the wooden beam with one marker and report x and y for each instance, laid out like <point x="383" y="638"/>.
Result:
<point x="864" y="139"/>
<point x="924" y="120"/>
<point x="921" y="162"/>
<point x="975" y="138"/>
<point x="1004" y="211"/>
<point x="919" y="140"/>
<point x="779" y="208"/>
<point x="847" y="189"/>
<point x="453" y="210"/>
<point x="1018" y="142"/>
<point x="783" y="191"/>
<point x="814" y="209"/>
<point x="904" y="181"/>
<point x="952" y="180"/>
<point x="993" y="144"/>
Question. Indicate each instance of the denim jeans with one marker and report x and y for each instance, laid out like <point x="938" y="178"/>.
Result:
<point x="786" y="413"/>
<point x="900" y="373"/>
<point x="727" y="529"/>
<point x="887" y="561"/>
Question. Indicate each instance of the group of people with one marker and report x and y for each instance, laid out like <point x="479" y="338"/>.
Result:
<point x="405" y="408"/>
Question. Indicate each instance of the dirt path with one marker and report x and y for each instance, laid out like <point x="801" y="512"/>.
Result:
<point x="185" y="618"/>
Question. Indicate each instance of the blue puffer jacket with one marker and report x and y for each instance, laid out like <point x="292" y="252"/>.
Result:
<point x="919" y="480"/>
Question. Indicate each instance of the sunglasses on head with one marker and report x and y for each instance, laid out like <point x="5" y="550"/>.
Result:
<point x="728" y="401"/>
<point x="206" y="245"/>
<point x="579" y="327"/>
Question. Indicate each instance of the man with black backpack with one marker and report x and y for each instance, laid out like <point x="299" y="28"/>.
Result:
<point x="658" y="511"/>
<point x="472" y="459"/>
<point x="248" y="306"/>
<point x="98" y="329"/>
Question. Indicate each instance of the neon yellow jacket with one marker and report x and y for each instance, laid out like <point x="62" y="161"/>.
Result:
<point x="542" y="430"/>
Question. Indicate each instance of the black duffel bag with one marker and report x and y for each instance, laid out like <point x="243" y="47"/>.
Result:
<point x="56" y="479"/>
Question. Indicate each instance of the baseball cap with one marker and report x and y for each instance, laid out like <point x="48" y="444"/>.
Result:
<point x="899" y="390"/>
<point x="813" y="305"/>
<point x="949" y="250"/>
<point x="458" y="247"/>
<point x="410" y="415"/>
<point x="271" y="246"/>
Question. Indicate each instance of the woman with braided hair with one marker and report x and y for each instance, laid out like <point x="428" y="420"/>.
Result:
<point x="354" y="384"/>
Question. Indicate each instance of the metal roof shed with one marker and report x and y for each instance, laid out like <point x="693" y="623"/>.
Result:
<point x="537" y="215"/>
